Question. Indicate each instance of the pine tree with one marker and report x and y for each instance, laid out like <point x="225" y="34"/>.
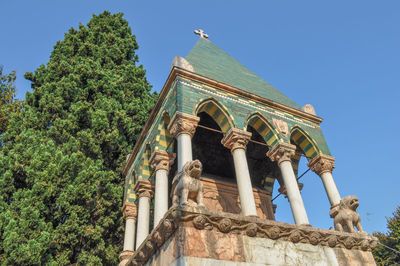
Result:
<point x="60" y="171"/>
<point x="384" y="255"/>
<point x="8" y="103"/>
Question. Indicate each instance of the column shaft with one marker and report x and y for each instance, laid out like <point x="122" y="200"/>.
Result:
<point x="330" y="188"/>
<point x="184" y="150"/>
<point x="293" y="193"/>
<point x="244" y="183"/>
<point x="161" y="195"/>
<point x="129" y="239"/>
<point x="143" y="220"/>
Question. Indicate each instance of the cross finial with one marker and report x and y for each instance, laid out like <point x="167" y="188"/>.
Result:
<point x="201" y="33"/>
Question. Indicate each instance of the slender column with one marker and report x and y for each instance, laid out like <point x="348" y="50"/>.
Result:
<point x="160" y="161"/>
<point x="144" y="190"/>
<point x="323" y="166"/>
<point x="130" y="214"/>
<point x="182" y="127"/>
<point x="282" y="153"/>
<point x="236" y="140"/>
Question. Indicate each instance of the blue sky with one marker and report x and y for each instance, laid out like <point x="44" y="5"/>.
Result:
<point x="342" y="57"/>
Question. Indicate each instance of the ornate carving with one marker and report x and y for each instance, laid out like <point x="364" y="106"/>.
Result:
<point x="281" y="152"/>
<point x="161" y="160"/>
<point x="182" y="63"/>
<point x="182" y="123"/>
<point x="322" y="163"/>
<point x="308" y="108"/>
<point x="129" y="210"/>
<point x="143" y="188"/>
<point x="250" y="226"/>
<point x="236" y="139"/>
<point x="347" y="217"/>
<point x="124" y="256"/>
<point x="187" y="185"/>
<point x="281" y="126"/>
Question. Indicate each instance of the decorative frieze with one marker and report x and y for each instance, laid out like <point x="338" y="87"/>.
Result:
<point x="322" y="163"/>
<point x="249" y="226"/>
<point x="143" y="188"/>
<point x="160" y="159"/>
<point x="129" y="210"/>
<point x="281" y="152"/>
<point x="182" y="123"/>
<point x="236" y="139"/>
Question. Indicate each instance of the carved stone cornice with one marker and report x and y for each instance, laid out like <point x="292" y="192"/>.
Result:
<point x="322" y="163"/>
<point x="124" y="257"/>
<point x="182" y="123"/>
<point x="129" y="210"/>
<point x="228" y="223"/>
<point x="143" y="188"/>
<point x="281" y="152"/>
<point x="236" y="139"/>
<point x="160" y="159"/>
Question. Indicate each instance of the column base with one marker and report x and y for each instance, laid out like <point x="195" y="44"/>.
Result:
<point x="124" y="257"/>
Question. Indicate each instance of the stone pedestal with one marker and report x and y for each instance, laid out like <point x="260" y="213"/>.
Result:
<point x="194" y="236"/>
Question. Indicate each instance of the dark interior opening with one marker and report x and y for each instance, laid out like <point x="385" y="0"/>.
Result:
<point x="260" y="166"/>
<point x="216" y="159"/>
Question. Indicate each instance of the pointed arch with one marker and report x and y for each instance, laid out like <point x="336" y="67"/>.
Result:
<point x="304" y="142"/>
<point x="264" y="128"/>
<point x="218" y="112"/>
<point x="164" y="139"/>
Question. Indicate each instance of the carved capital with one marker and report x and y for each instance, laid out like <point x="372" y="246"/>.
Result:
<point x="236" y="139"/>
<point x="182" y="123"/>
<point x="322" y="163"/>
<point x="161" y="160"/>
<point x="129" y="210"/>
<point x="143" y="188"/>
<point x="281" y="152"/>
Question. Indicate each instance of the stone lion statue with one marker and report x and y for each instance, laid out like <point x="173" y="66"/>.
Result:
<point x="347" y="217"/>
<point x="186" y="185"/>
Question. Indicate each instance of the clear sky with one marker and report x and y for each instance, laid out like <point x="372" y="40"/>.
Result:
<point x="342" y="57"/>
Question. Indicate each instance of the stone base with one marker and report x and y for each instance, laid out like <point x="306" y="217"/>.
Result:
<point x="192" y="236"/>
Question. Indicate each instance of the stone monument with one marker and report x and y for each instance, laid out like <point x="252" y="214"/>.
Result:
<point x="199" y="181"/>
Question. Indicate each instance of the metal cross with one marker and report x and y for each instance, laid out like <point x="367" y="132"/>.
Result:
<point x="201" y="33"/>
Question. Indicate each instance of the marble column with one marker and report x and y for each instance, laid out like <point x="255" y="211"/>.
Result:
<point x="282" y="153"/>
<point x="182" y="127"/>
<point x="129" y="211"/>
<point x="323" y="166"/>
<point x="144" y="191"/>
<point x="161" y="161"/>
<point x="236" y="140"/>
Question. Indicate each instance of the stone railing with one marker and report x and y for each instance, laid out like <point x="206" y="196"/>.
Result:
<point x="227" y="223"/>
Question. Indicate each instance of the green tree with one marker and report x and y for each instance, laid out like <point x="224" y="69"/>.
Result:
<point x="388" y="255"/>
<point x="60" y="171"/>
<point x="8" y="103"/>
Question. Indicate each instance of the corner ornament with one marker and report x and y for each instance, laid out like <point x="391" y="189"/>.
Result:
<point x="346" y="217"/>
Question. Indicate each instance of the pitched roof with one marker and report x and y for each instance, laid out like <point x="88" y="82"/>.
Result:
<point x="210" y="61"/>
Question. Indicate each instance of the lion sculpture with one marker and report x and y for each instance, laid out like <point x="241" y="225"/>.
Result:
<point x="186" y="185"/>
<point x="347" y="217"/>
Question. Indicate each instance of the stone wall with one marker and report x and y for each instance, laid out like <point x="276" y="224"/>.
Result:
<point x="192" y="236"/>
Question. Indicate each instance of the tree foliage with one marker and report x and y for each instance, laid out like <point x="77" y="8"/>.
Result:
<point x="8" y="103"/>
<point x="383" y="255"/>
<point x="60" y="171"/>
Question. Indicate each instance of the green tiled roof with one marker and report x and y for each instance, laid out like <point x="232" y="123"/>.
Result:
<point x="210" y="61"/>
